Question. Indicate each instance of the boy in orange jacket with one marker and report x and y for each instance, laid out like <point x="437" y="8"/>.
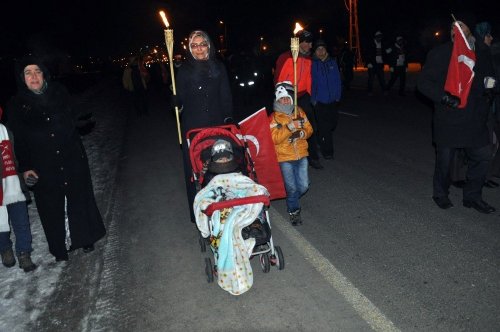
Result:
<point x="290" y="132"/>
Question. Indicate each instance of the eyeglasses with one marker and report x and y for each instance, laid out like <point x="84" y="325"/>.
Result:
<point x="200" y="45"/>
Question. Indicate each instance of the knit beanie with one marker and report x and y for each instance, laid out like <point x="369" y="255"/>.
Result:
<point x="222" y="159"/>
<point x="283" y="89"/>
<point x="305" y="36"/>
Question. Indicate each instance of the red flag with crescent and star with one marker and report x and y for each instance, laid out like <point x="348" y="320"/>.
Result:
<point x="255" y="130"/>
<point x="461" y="67"/>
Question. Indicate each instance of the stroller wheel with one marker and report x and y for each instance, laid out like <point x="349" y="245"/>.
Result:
<point x="280" y="260"/>
<point x="203" y="243"/>
<point x="209" y="271"/>
<point x="264" y="262"/>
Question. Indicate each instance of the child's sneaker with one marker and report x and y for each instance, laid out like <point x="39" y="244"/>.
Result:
<point x="295" y="217"/>
<point x="8" y="259"/>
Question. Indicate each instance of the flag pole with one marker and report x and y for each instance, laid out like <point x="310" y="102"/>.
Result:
<point x="461" y="31"/>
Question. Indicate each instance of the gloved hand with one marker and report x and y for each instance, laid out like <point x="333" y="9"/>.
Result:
<point x="175" y="102"/>
<point x="489" y="82"/>
<point x="369" y="66"/>
<point x="295" y="136"/>
<point x="298" y="123"/>
<point x="31" y="180"/>
<point x="450" y="101"/>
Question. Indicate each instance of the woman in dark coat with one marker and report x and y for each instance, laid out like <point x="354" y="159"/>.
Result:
<point x="205" y="95"/>
<point x="52" y="158"/>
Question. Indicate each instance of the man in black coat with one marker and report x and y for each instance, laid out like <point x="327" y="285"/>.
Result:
<point x="376" y="54"/>
<point x="398" y="64"/>
<point x="455" y="127"/>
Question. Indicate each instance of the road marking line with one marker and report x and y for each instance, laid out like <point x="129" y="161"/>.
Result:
<point x="363" y="306"/>
<point x="350" y="114"/>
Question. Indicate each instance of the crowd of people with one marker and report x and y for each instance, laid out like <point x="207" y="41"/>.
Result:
<point x="49" y="158"/>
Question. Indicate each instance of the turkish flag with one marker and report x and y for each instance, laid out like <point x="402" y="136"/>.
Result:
<point x="256" y="132"/>
<point x="461" y="67"/>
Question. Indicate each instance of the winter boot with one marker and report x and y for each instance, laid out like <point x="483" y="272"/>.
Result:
<point x="8" y="259"/>
<point x="295" y="217"/>
<point x="25" y="262"/>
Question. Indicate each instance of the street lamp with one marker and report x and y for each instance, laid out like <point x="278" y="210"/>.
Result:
<point x="320" y="33"/>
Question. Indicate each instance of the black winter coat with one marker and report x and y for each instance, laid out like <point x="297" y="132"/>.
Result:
<point x="204" y="91"/>
<point x="371" y="53"/>
<point x="457" y="128"/>
<point x="47" y="141"/>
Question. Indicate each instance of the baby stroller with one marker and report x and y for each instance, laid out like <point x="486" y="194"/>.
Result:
<point x="247" y="193"/>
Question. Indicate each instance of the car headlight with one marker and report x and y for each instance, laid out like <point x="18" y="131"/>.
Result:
<point x="242" y="84"/>
<point x="255" y="74"/>
<point x="251" y="82"/>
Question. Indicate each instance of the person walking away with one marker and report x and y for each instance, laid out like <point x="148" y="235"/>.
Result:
<point x="290" y="135"/>
<point x="455" y="127"/>
<point x="135" y="78"/>
<point x="398" y="65"/>
<point x="203" y="95"/>
<point x="53" y="161"/>
<point x="375" y="60"/>
<point x="326" y="93"/>
<point x="13" y="207"/>
<point x="346" y="61"/>
<point x="482" y="33"/>
<point x="284" y="72"/>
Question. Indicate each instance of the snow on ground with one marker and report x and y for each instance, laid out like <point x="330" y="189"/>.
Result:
<point x="24" y="295"/>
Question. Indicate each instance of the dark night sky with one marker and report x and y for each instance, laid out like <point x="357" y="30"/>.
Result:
<point x="114" y="27"/>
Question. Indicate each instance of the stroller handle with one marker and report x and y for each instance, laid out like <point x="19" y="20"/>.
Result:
<point x="235" y="202"/>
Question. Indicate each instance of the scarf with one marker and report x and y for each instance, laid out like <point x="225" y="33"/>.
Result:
<point x="11" y="188"/>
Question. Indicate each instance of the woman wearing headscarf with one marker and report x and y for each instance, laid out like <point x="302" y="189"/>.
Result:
<point x="53" y="161"/>
<point x="204" y="93"/>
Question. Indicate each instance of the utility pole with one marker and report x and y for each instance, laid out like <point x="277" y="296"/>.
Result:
<point x="354" y="43"/>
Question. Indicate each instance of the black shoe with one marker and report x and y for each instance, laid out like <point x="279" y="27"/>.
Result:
<point x="458" y="184"/>
<point x="443" y="202"/>
<point x="87" y="249"/>
<point x="491" y="184"/>
<point x="480" y="206"/>
<point x="314" y="163"/>
<point x="329" y="157"/>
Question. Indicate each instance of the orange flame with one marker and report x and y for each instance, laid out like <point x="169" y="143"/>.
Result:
<point x="164" y="18"/>
<point x="298" y="27"/>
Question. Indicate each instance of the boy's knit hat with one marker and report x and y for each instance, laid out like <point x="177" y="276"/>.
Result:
<point x="284" y="89"/>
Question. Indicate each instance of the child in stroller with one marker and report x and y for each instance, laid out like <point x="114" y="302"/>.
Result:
<point x="229" y="210"/>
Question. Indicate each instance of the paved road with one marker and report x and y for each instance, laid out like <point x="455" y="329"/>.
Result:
<point x="374" y="252"/>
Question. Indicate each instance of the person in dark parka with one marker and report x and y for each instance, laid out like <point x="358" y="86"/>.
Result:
<point x="459" y="127"/>
<point x="53" y="160"/>
<point x="204" y="95"/>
